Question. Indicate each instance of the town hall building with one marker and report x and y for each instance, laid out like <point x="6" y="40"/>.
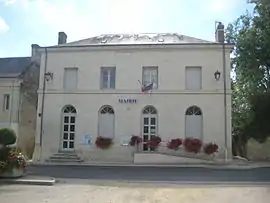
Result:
<point x="119" y="85"/>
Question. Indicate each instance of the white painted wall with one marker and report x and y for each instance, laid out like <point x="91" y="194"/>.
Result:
<point x="171" y="99"/>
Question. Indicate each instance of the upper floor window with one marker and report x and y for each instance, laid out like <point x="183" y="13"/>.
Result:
<point x="107" y="77"/>
<point x="6" y="104"/>
<point x="193" y="78"/>
<point x="150" y="75"/>
<point x="70" y="78"/>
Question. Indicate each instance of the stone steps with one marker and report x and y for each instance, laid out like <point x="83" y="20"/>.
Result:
<point x="65" y="157"/>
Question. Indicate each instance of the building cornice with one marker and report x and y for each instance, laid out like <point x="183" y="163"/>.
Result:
<point x="115" y="47"/>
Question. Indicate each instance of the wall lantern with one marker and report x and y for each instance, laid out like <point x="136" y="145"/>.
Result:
<point x="48" y="76"/>
<point x="217" y="75"/>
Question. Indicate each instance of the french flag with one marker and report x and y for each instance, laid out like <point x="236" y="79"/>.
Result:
<point x="146" y="88"/>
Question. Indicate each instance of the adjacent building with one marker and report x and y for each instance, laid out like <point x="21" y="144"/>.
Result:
<point x="92" y="87"/>
<point x="18" y="98"/>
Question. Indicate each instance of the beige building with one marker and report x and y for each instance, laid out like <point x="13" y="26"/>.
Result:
<point x="18" y="99"/>
<point x="90" y="87"/>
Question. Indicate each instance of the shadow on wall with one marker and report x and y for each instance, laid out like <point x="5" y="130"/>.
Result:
<point x="257" y="151"/>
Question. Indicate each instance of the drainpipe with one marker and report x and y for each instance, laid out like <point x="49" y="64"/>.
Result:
<point x="225" y="101"/>
<point x="11" y="104"/>
<point x="43" y="98"/>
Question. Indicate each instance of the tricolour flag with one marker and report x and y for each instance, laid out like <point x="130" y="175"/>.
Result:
<point x="146" y="88"/>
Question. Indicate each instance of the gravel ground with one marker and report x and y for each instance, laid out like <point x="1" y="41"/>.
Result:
<point x="131" y="193"/>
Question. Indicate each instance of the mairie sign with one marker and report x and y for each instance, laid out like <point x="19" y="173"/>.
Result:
<point x="127" y="101"/>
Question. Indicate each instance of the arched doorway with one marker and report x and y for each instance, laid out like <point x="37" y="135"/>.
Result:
<point x="194" y="123"/>
<point x="149" y="125"/>
<point x="106" y="122"/>
<point x="68" y="128"/>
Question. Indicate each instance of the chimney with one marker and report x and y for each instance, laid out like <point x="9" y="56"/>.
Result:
<point x="35" y="56"/>
<point x="220" y="36"/>
<point x="62" y="38"/>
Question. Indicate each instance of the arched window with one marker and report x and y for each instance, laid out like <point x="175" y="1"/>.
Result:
<point x="106" y="122"/>
<point x="194" y="123"/>
<point x="68" y="128"/>
<point x="149" y="125"/>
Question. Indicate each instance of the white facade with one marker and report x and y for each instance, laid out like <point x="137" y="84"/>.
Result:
<point x="186" y="100"/>
<point x="9" y="103"/>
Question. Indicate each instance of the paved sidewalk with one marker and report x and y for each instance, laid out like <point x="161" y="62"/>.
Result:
<point x="29" y="180"/>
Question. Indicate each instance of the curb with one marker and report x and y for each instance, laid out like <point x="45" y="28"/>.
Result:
<point x="29" y="181"/>
<point x="210" y="166"/>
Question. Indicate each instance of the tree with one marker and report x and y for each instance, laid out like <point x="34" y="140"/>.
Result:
<point x="251" y="86"/>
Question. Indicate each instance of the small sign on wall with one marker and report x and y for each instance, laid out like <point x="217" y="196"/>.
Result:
<point x="87" y="139"/>
<point x="127" y="101"/>
<point x="125" y="140"/>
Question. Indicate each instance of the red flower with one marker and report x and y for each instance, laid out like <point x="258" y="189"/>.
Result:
<point x="175" y="143"/>
<point x="210" y="148"/>
<point x="193" y="145"/>
<point x="135" y="140"/>
<point x="154" y="142"/>
<point x="103" y="143"/>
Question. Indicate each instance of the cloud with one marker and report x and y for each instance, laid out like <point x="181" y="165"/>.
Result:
<point x="3" y="26"/>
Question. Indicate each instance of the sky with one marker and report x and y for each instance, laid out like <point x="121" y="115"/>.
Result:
<point x="26" y="22"/>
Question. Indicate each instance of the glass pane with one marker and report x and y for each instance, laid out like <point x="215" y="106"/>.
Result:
<point x="145" y="121"/>
<point x="145" y="138"/>
<point x="153" y="121"/>
<point x="72" y="128"/>
<point x="145" y="129"/>
<point x="71" y="136"/>
<point x="105" y="79"/>
<point x="112" y="79"/>
<point x="153" y="129"/>
<point x="65" y="127"/>
<point x="71" y="145"/>
<point x="65" y="136"/>
<point x="66" y="119"/>
<point x="65" y="144"/>
<point x="145" y="147"/>
<point x="72" y="119"/>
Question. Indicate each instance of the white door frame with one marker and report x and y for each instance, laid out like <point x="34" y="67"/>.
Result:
<point x="148" y="116"/>
<point x="69" y="140"/>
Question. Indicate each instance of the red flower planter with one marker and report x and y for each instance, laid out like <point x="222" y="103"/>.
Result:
<point x="210" y="148"/>
<point x="154" y="142"/>
<point x="175" y="143"/>
<point x="135" y="140"/>
<point x="103" y="143"/>
<point x="193" y="145"/>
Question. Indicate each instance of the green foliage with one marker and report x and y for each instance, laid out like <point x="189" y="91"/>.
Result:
<point x="7" y="136"/>
<point x="251" y="64"/>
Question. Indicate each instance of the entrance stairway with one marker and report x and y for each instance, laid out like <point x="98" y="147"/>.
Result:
<point x="64" y="157"/>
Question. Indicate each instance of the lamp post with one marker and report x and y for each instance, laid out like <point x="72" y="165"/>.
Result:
<point x="220" y="38"/>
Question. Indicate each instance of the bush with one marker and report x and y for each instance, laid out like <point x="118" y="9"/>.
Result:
<point x="10" y="158"/>
<point x="175" y="143"/>
<point x="7" y="136"/>
<point x="193" y="145"/>
<point x="210" y="148"/>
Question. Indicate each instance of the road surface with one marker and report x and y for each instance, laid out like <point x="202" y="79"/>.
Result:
<point x="158" y="174"/>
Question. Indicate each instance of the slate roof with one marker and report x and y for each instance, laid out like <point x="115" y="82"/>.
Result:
<point x="143" y="38"/>
<point x="14" y="66"/>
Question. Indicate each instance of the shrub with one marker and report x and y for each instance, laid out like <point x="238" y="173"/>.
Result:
<point x="135" y="140"/>
<point x="175" y="143"/>
<point x="193" y="145"/>
<point x="154" y="142"/>
<point x="210" y="148"/>
<point x="103" y="143"/>
<point x="7" y="136"/>
<point x="10" y="158"/>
